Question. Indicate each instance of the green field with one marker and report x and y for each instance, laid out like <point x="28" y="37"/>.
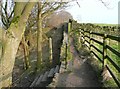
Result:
<point x="101" y="24"/>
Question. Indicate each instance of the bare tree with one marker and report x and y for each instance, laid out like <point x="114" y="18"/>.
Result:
<point x="7" y="15"/>
<point x="44" y="9"/>
<point x="13" y="37"/>
<point x="58" y="18"/>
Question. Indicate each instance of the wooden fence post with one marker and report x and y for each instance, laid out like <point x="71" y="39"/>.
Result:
<point x="81" y="41"/>
<point x="50" y="50"/>
<point x="118" y="46"/>
<point x="104" y="50"/>
<point x="68" y="45"/>
<point x="90" y="32"/>
<point x="79" y="38"/>
<point x="66" y="55"/>
<point x="83" y="37"/>
<point x="118" y="39"/>
<point x="65" y="46"/>
<point x="69" y="55"/>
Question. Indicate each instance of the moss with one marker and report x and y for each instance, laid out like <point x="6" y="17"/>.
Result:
<point x="15" y="19"/>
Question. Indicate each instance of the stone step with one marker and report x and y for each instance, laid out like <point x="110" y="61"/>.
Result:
<point x="39" y="80"/>
<point x="44" y="79"/>
<point x="51" y="73"/>
<point x="35" y="80"/>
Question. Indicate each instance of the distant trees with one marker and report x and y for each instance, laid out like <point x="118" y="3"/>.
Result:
<point x="58" y="18"/>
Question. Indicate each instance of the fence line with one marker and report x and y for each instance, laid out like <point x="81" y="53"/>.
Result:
<point x="87" y="37"/>
<point x="106" y="56"/>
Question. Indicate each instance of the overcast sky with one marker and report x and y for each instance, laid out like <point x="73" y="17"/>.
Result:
<point x="93" y="11"/>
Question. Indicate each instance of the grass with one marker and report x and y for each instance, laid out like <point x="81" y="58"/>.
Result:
<point x="98" y="65"/>
<point x="101" y="24"/>
<point x="111" y="82"/>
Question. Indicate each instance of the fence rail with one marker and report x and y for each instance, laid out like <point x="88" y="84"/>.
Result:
<point x="88" y="38"/>
<point x="114" y="64"/>
<point x="105" y="57"/>
<point x="97" y="49"/>
<point x="116" y="38"/>
<point x="96" y="41"/>
<point x="97" y="56"/>
<point x="113" y="50"/>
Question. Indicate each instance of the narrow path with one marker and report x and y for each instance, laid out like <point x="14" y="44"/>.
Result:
<point x="82" y="74"/>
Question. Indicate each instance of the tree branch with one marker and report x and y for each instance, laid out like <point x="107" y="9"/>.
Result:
<point x="11" y="14"/>
<point x="48" y="12"/>
<point x="104" y="3"/>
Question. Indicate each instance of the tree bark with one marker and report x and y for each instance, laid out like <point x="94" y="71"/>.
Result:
<point x="26" y="54"/>
<point x="13" y="38"/>
<point x="39" y="38"/>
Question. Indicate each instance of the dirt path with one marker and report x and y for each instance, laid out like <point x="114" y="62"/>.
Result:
<point x="82" y="74"/>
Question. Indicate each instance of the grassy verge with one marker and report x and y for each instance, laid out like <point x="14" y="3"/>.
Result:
<point x="113" y="44"/>
<point x="97" y="65"/>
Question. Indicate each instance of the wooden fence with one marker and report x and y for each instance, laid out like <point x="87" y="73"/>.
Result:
<point x="88" y="38"/>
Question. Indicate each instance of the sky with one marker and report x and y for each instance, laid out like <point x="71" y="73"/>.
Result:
<point x="93" y="11"/>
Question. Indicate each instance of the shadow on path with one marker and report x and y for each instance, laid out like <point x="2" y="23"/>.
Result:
<point x="82" y="74"/>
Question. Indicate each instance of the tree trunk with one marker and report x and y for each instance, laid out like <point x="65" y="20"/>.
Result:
<point x="26" y="54"/>
<point x="13" y="38"/>
<point x="39" y="38"/>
